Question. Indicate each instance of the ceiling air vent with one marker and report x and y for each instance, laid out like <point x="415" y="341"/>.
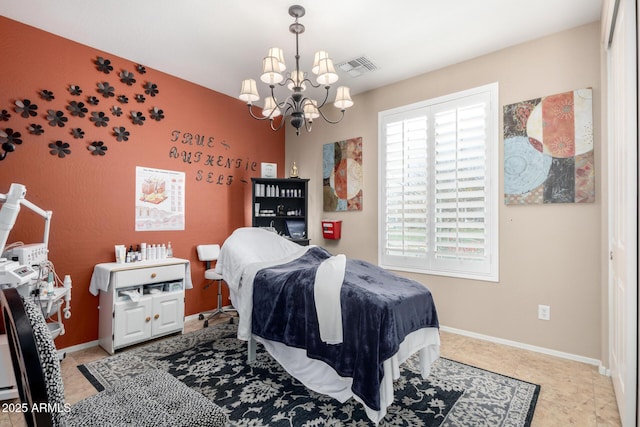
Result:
<point x="357" y="66"/>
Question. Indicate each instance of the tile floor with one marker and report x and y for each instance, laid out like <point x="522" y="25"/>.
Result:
<point x="572" y="393"/>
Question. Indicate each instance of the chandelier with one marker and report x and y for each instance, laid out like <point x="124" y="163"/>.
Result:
<point x="301" y="109"/>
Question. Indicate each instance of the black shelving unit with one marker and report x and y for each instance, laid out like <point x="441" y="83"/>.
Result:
<point x="281" y="203"/>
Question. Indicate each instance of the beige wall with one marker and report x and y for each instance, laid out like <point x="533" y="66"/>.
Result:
<point x="549" y="254"/>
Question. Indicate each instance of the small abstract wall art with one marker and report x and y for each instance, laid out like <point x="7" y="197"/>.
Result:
<point x="342" y="175"/>
<point x="548" y="150"/>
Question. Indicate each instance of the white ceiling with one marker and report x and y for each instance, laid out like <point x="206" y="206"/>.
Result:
<point x="218" y="43"/>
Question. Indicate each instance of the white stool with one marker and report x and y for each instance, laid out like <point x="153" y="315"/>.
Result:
<point x="207" y="254"/>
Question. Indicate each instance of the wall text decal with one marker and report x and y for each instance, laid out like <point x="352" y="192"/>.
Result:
<point x="220" y="167"/>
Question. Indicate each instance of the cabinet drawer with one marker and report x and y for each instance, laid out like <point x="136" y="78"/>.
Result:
<point x="140" y="276"/>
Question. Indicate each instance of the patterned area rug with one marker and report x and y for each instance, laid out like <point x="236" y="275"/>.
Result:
<point x="213" y="361"/>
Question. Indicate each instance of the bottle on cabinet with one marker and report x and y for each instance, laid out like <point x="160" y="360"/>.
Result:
<point x="148" y="252"/>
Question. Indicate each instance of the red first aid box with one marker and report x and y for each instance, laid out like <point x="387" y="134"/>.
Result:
<point x="331" y="229"/>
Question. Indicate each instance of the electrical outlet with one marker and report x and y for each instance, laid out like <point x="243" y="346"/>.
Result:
<point x="544" y="312"/>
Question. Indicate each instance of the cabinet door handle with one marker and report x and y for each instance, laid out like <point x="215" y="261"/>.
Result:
<point x="148" y="319"/>
<point x="153" y="275"/>
<point x="156" y="316"/>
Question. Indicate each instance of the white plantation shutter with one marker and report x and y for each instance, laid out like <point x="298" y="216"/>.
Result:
<point x="438" y="174"/>
<point x="406" y="188"/>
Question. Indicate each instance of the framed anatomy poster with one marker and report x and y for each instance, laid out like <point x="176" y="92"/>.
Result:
<point x="159" y="199"/>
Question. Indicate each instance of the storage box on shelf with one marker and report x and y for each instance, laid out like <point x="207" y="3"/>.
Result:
<point x="281" y="203"/>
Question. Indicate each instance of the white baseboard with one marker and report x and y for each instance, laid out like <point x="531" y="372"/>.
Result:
<point x="576" y="358"/>
<point x="90" y="344"/>
<point x="191" y="317"/>
<point x="603" y="370"/>
<point x="78" y="347"/>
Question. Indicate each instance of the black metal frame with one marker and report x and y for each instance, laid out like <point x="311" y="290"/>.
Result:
<point x="25" y="358"/>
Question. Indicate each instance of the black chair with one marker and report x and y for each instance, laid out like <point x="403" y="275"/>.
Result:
<point x="154" y="398"/>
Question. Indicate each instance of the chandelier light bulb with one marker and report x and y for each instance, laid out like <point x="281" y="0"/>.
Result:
<point x="270" y="109"/>
<point x="271" y="71"/>
<point x="311" y="109"/>
<point x="297" y="79"/>
<point x="321" y="54"/>
<point x="276" y="52"/>
<point x="343" y="98"/>
<point x="326" y="72"/>
<point x="249" y="91"/>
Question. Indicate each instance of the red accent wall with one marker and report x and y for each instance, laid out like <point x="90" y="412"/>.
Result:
<point x="205" y="134"/>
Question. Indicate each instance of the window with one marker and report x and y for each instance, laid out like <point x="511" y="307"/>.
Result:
<point x="438" y="175"/>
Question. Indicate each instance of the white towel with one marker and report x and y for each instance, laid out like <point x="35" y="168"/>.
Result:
<point x="133" y="295"/>
<point x="101" y="276"/>
<point x="326" y="291"/>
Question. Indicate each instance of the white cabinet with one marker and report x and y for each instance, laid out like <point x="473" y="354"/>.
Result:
<point x="144" y="300"/>
<point x="132" y="322"/>
<point x="168" y="313"/>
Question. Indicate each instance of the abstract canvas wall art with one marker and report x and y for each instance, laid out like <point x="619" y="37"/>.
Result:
<point x="548" y="150"/>
<point x="342" y="175"/>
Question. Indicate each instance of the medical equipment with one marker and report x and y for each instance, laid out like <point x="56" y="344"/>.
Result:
<point x="27" y="268"/>
<point x="31" y="254"/>
<point x="14" y="274"/>
<point x="28" y="264"/>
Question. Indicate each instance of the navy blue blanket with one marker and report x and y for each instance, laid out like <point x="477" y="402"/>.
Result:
<point x="379" y="309"/>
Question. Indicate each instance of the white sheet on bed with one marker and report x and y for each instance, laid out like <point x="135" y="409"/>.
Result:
<point x="250" y="245"/>
<point x="242" y="255"/>
<point x="320" y="377"/>
<point x="247" y="251"/>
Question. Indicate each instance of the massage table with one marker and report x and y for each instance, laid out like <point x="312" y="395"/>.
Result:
<point x="278" y="288"/>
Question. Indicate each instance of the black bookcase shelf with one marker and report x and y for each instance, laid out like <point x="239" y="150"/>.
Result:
<point x="281" y="203"/>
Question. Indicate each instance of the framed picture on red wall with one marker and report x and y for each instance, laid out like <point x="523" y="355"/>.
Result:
<point x="269" y="170"/>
